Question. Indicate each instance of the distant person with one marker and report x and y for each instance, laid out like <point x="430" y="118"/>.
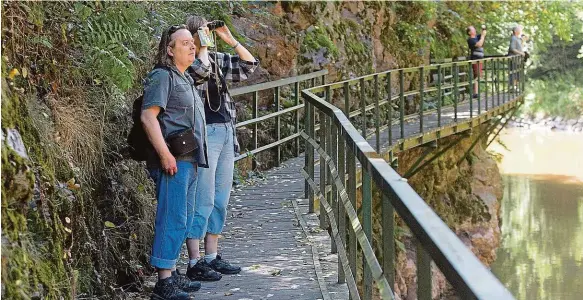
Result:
<point x="515" y="48"/>
<point x="476" y="45"/>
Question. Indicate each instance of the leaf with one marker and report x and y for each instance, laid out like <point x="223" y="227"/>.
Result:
<point x="13" y="73"/>
<point x="109" y="224"/>
<point x="68" y="220"/>
<point x="400" y="245"/>
<point x="24" y="72"/>
<point x="46" y="42"/>
<point x="276" y="272"/>
<point x="72" y="185"/>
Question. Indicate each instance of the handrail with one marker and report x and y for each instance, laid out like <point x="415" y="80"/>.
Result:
<point x="256" y="119"/>
<point x="383" y="74"/>
<point x="276" y="83"/>
<point x="454" y="259"/>
<point x="435" y="240"/>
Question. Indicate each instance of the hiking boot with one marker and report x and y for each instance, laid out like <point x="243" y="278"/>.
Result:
<point x="223" y="267"/>
<point x="185" y="283"/>
<point x="202" y="272"/>
<point x="167" y="289"/>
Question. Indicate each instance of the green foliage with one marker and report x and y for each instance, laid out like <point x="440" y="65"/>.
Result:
<point x="319" y="38"/>
<point x="110" y="40"/>
<point x="557" y="95"/>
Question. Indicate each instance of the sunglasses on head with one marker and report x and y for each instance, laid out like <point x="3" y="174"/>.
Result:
<point x="175" y="28"/>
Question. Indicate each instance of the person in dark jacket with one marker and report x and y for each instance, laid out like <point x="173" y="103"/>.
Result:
<point x="476" y="46"/>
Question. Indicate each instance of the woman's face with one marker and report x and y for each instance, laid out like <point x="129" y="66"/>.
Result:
<point x="182" y="48"/>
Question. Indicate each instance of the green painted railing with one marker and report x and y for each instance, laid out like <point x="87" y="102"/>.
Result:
<point x="274" y="89"/>
<point x="338" y="133"/>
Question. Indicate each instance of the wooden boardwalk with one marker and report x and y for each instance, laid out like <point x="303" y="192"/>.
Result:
<point x="269" y="233"/>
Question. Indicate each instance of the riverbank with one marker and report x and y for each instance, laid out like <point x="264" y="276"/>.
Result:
<point x="548" y="123"/>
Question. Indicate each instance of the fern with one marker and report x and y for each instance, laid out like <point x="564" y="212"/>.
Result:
<point x="110" y="35"/>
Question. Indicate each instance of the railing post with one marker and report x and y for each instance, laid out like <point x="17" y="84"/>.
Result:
<point x="497" y="67"/>
<point x="323" y="169"/>
<point x="341" y="212"/>
<point x="333" y="153"/>
<point x="297" y="102"/>
<point x="523" y="70"/>
<point x="402" y="102"/>
<point x="388" y="226"/>
<point x="478" y="77"/>
<point x="255" y="132"/>
<point x="486" y="83"/>
<point x="471" y="89"/>
<point x="421" y="104"/>
<point x="377" y="113"/>
<point x="390" y="113"/>
<point x="352" y="242"/>
<point x="367" y="227"/>
<point x="505" y="80"/>
<point x="277" y="126"/>
<point x="309" y="157"/>
<point x="423" y="273"/>
<point x="516" y="72"/>
<point x="439" y="94"/>
<point x="363" y="107"/>
<point x="456" y="91"/>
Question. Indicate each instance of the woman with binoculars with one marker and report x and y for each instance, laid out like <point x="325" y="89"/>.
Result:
<point x="214" y="184"/>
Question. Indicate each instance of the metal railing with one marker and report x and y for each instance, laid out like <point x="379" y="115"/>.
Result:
<point x="341" y="146"/>
<point x="294" y="84"/>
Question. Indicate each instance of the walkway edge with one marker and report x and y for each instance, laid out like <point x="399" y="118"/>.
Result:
<point x="315" y="255"/>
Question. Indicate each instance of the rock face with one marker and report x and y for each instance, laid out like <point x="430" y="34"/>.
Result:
<point x="466" y="196"/>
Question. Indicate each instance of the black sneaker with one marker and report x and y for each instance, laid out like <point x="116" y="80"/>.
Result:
<point x="202" y="272"/>
<point x="475" y="96"/>
<point x="185" y="283"/>
<point x="167" y="289"/>
<point x="223" y="267"/>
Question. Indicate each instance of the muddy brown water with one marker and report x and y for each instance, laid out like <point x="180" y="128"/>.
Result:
<point x="541" y="251"/>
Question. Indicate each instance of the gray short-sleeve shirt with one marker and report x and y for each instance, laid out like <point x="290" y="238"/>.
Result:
<point x="515" y="44"/>
<point x="180" y="109"/>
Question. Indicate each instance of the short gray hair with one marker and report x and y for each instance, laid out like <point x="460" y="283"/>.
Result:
<point x="516" y="28"/>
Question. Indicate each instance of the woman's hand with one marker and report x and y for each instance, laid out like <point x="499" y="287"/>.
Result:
<point x="168" y="163"/>
<point x="225" y="34"/>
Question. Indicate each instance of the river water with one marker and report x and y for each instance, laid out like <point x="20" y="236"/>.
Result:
<point x="541" y="252"/>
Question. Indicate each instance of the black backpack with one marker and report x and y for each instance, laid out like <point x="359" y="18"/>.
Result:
<point x="139" y="145"/>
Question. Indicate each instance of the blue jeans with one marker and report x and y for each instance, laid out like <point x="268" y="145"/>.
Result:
<point x="214" y="184"/>
<point x="174" y="213"/>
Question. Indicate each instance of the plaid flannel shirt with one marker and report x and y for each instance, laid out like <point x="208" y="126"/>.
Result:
<point x="232" y="68"/>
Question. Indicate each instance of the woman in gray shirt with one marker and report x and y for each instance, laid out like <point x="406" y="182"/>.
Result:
<point x="171" y="106"/>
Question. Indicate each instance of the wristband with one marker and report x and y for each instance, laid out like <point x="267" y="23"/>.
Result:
<point x="236" y="45"/>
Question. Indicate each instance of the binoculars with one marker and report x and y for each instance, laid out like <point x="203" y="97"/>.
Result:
<point x="215" y="24"/>
<point x="207" y="40"/>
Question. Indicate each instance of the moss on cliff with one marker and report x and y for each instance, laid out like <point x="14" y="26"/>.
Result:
<point x="33" y="258"/>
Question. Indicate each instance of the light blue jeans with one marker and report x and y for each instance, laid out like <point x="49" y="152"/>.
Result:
<point x="174" y="213"/>
<point x="214" y="183"/>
